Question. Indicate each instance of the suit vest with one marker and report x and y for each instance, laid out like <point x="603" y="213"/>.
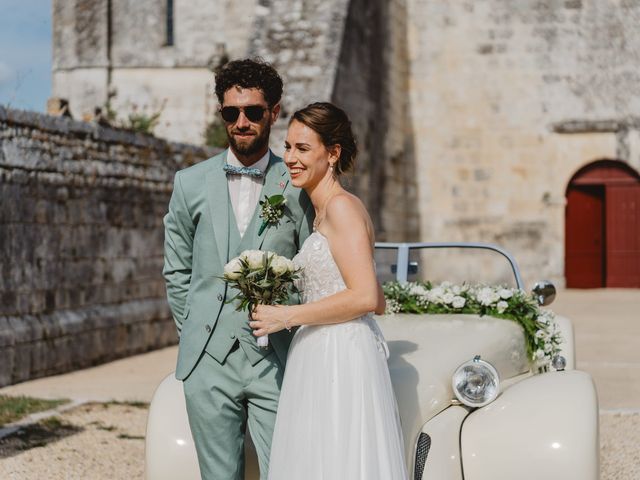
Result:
<point x="233" y="326"/>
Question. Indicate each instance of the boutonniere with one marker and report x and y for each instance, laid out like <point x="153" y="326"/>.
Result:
<point x="271" y="211"/>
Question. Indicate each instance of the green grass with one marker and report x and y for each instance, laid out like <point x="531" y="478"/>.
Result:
<point x="126" y="436"/>
<point x="134" y="404"/>
<point x="14" y="408"/>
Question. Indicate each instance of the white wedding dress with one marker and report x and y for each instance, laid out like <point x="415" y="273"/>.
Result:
<point x="337" y="416"/>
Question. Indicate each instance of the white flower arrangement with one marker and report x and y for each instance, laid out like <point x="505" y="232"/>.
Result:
<point x="271" y="211"/>
<point x="261" y="277"/>
<point x="541" y="332"/>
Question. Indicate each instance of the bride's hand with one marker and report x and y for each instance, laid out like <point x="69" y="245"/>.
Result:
<point x="267" y="319"/>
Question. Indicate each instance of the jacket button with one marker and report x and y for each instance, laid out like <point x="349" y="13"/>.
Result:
<point x="233" y="335"/>
<point x="208" y="328"/>
<point x="219" y="297"/>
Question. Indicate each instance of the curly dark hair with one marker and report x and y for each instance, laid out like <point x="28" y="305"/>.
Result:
<point x="250" y="73"/>
<point x="333" y="126"/>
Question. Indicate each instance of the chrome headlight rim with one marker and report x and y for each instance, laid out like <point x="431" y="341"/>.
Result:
<point x="490" y="372"/>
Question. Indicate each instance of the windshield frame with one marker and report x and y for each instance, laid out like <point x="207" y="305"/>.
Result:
<point x="403" y="248"/>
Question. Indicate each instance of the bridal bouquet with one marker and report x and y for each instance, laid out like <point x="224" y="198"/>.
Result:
<point x="262" y="278"/>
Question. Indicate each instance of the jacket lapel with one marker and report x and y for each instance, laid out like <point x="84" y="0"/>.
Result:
<point x="275" y="182"/>
<point x="218" y="197"/>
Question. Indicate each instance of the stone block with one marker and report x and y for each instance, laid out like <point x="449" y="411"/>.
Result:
<point x="21" y="362"/>
<point x="60" y="354"/>
<point x="7" y="365"/>
<point x="9" y="302"/>
<point x="26" y="329"/>
<point x="7" y="335"/>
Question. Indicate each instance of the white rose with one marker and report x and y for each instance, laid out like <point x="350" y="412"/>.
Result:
<point x="502" y="306"/>
<point x="541" y="334"/>
<point x="458" y="302"/>
<point x="487" y="296"/>
<point x="448" y="298"/>
<point x="279" y="265"/>
<point x="254" y="258"/>
<point x="505" y="293"/>
<point x="435" y="295"/>
<point x="418" y="290"/>
<point x="233" y="269"/>
<point x="539" y="354"/>
<point x="290" y="265"/>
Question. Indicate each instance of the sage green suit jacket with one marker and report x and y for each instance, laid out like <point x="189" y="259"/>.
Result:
<point x="197" y="249"/>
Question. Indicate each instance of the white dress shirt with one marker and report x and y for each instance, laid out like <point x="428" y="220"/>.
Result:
<point x="244" y="190"/>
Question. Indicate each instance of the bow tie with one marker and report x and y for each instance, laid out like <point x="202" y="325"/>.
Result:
<point x="249" y="171"/>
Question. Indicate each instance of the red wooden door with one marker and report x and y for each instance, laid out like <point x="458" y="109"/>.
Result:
<point x="584" y="240"/>
<point x="623" y="235"/>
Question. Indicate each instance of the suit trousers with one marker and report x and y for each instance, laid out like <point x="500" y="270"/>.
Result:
<point x="222" y="398"/>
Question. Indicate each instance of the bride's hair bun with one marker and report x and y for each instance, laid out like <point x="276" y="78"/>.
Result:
<point x="333" y="126"/>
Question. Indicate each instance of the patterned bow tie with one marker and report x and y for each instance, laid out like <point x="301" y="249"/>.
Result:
<point x="249" y="171"/>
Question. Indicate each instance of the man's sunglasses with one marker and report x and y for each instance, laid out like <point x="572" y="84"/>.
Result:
<point x="254" y="113"/>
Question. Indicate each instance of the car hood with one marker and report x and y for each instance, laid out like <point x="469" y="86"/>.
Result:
<point x="425" y="350"/>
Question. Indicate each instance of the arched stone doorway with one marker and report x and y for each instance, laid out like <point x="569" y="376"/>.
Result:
<point x="602" y="226"/>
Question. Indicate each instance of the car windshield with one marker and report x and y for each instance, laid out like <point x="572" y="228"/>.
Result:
<point x="436" y="263"/>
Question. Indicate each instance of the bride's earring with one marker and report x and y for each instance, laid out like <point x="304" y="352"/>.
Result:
<point x="331" y="167"/>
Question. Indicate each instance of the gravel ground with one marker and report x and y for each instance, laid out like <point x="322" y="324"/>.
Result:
<point x="620" y="446"/>
<point x="109" y="445"/>
<point x="105" y="442"/>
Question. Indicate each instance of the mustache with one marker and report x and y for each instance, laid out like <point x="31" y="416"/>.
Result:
<point x="243" y="131"/>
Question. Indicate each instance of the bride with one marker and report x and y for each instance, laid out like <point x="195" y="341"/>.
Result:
<point x="337" y="416"/>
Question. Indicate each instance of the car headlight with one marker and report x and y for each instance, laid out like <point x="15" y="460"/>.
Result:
<point x="476" y="382"/>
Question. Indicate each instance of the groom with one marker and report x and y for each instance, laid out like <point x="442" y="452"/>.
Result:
<point x="213" y="216"/>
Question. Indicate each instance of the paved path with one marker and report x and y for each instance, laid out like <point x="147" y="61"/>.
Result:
<point x="607" y="334"/>
<point x="129" y="379"/>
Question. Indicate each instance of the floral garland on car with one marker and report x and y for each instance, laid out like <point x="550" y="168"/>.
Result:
<point x="541" y="332"/>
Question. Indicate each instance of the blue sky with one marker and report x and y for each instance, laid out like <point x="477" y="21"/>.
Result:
<point x="25" y="53"/>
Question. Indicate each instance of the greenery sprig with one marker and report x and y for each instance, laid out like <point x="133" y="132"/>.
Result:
<point x="271" y="211"/>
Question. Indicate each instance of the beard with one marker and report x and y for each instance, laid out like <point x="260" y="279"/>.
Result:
<point x="254" y="145"/>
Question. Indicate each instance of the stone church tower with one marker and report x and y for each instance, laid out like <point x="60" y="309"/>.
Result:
<point x="513" y="123"/>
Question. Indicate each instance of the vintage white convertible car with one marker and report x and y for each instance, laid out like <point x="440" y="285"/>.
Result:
<point x="477" y="400"/>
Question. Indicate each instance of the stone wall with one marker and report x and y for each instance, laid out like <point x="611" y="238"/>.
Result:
<point x="354" y="54"/>
<point x="495" y="89"/>
<point x="371" y="84"/>
<point x="301" y="38"/>
<point x="81" y="236"/>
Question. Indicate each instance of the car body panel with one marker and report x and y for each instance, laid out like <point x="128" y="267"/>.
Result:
<point x="443" y="461"/>
<point x="425" y="350"/>
<point x="169" y="449"/>
<point x="545" y="426"/>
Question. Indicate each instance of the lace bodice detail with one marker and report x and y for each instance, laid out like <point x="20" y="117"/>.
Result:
<point x="320" y="275"/>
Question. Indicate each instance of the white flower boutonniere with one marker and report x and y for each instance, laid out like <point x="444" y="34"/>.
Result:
<point x="271" y="211"/>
